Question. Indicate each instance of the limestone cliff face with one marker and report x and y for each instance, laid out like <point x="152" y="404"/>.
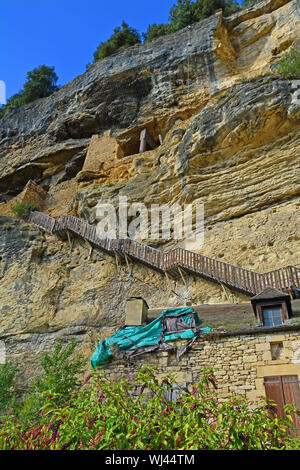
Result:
<point x="174" y="76"/>
<point x="230" y="140"/>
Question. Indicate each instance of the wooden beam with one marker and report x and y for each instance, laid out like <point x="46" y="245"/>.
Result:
<point x="117" y="258"/>
<point x="70" y="241"/>
<point x="181" y="274"/>
<point x="168" y="280"/>
<point x="130" y="268"/>
<point x="229" y="298"/>
<point x="91" y="248"/>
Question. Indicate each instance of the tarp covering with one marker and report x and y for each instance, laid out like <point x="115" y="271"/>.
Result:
<point x="171" y="325"/>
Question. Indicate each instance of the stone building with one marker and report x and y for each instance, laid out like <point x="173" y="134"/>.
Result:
<point x="247" y="358"/>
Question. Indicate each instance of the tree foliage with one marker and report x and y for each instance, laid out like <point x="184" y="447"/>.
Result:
<point x="187" y="12"/>
<point x="8" y="373"/>
<point x="182" y="14"/>
<point x="249" y="3"/>
<point x="137" y="414"/>
<point x="123" y="36"/>
<point x="154" y="31"/>
<point x="40" y="82"/>
<point x="59" y="377"/>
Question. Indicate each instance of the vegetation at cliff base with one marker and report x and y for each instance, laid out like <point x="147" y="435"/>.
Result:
<point x="8" y="372"/>
<point x="40" y="82"/>
<point x="136" y="413"/>
<point x="59" y="376"/>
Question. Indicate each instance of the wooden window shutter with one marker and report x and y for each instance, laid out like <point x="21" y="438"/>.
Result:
<point x="283" y="390"/>
<point x="291" y="389"/>
<point x="274" y="392"/>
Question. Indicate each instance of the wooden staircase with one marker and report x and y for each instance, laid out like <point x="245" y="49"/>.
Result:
<point x="176" y="263"/>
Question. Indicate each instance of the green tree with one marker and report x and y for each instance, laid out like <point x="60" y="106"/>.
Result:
<point x="231" y="6"/>
<point x="249" y="3"/>
<point x="155" y="31"/>
<point x="15" y="101"/>
<point x="40" y="82"/>
<point x="205" y="8"/>
<point x="123" y="36"/>
<point x="61" y="371"/>
<point x="186" y="12"/>
<point x="182" y="14"/>
<point x="59" y="377"/>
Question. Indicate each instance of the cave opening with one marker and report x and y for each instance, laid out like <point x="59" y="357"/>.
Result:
<point x="140" y="142"/>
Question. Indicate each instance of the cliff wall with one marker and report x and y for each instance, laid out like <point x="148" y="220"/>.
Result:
<point x="230" y="140"/>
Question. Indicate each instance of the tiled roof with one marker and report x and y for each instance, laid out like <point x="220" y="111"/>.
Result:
<point x="269" y="293"/>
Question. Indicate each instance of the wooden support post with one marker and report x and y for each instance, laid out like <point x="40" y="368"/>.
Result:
<point x="90" y="248"/>
<point x="229" y="298"/>
<point x="181" y="274"/>
<point x="57" y="241"/>
<point x="117" y="261"/>
<point x="168" y="280"/>
<point x="127" y="258"/>
<point x="70" y="241"/>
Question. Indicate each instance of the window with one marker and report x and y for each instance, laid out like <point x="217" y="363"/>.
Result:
<point x="276" y="351"/>
<point x="272" y="316"/>
<point x="272" y="307"/>
<point x="176" y="391"/>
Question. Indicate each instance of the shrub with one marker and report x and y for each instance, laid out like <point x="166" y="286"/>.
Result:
<point x="155" y="31"/>
<point x="136" y="414"/>
<point x="60" y="371"/>
<point x="21" y="210"/>
<point x="15" y="101"/>
<point x="59" y="378"/>
<point x="8" y="373"/>
<point x="289" y="65"/>
<point x="123" y="36"/>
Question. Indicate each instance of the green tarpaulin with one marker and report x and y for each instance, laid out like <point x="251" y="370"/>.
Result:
<point x="156" y="333"/>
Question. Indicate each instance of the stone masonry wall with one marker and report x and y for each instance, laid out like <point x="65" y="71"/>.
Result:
<point x="240" y="362"/>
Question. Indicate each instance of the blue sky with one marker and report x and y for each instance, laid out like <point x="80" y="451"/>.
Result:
<point x="64" y="33"/>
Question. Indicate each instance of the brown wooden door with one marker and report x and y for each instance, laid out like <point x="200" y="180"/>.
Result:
<point x="282" y="390"/>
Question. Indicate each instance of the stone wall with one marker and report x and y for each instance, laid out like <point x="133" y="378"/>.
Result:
<point x="240" y="361"/>
<point x="31" y="193"/>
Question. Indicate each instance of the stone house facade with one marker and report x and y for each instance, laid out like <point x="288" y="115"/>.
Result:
<point x="255" y="362"/>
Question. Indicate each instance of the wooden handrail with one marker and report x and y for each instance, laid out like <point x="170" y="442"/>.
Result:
<point x="245" y="280"/>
